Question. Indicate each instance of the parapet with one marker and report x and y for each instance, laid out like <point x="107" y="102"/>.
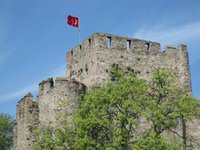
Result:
<point x="26" y="105"/>
<point x="131" y="45"/>
<point x="183" y="52"/>
<point x="102" y="41"/>
<point x="45" y="86"/>
<point x="27" y="97"/>
<point x="172" y="51"/>
<point x="182" y="47"/>
<point x="61" y="84"/>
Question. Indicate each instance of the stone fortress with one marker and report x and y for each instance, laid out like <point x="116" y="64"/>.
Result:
<point x="87" y="66"/>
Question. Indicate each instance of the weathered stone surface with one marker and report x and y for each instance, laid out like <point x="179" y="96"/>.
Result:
<point x="90" y="64"/>
<point x="43" y="111"/>
<point x="64" y="89"/>
<point x="87" y="66"/>
<point x="26" y="120"/>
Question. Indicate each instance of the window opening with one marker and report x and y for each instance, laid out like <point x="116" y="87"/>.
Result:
<point x="128" y="45"/>
<point x="89" y="42"/>
<point x="108" y="42"/>
<point x="147" y="47"/>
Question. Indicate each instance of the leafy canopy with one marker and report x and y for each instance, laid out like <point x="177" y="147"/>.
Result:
<point x="128" y="113"/>
<point x="6" y="131"/>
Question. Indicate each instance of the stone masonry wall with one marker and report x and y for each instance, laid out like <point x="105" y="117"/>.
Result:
<point x="90" y="61"/>
<point x="51" y="96"/>
<point x="26" y="120"/>
<point x="44" y="110"/>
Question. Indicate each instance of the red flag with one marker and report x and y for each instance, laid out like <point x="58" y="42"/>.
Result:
<point x="73" y="21"/>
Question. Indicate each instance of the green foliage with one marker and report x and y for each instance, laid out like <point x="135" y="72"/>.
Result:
<point x="6" y="131"/>
<point x="167" y="105"/>
<point x="154" y="142"/>
<point x="45" y="139"/>
<point x="109" y="117"/>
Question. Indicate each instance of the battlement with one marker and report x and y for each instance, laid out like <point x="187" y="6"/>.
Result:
<point x="51" y="93"/>
<point x="48" y="85"/>
<point x="89" y="61"/>
<point x="171" y="50"/>
<point x="45" y="86"/>
<point x="104" y="41"/>
<point x="100" y="41"/>
<point x="27" y="97"/>
<point x="26" y="106"/>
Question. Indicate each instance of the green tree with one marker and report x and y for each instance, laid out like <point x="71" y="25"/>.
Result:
<point x="6" y="131"/>
<point x="45" y="139"/>
<point x="168" y="107"/>
<point x="109" y="117"/>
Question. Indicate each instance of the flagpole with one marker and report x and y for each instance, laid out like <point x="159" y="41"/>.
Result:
<point x="79" y="30"/>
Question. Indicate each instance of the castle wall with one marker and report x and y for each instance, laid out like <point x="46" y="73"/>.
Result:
<point x="91" y="63"/>
<point x="51" y="97"/>
<point x="44" y="110"/>
<point x="26" y="121"/>
<point x="193" y="133"/>
<point x="82" y="61"/>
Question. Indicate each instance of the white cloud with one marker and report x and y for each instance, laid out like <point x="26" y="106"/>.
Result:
<point x="19" y="93"/>
<point x="58" y="72"/>
<point x="175" y="35"/>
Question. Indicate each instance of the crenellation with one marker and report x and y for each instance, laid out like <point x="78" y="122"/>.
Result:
<point x="117" y="43"/>
<point x="182" y="48"/>
<point x="23" y="106"/>
<point x="45" y="86"/>
<point x="64" y="89"/>
<point x="108" y="41"/>
<point x="90" y="68"/>
<point x="154" y="48"/>
<point x="170" y="50"/>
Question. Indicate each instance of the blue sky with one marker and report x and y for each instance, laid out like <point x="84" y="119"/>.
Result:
<point x="34" y="36"/>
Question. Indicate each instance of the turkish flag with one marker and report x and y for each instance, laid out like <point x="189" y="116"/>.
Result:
<point x="73" y="21"/>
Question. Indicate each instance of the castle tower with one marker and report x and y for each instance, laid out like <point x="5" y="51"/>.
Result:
<point x="52" y="95"/>
<point x="90" y="61"/>
<point x="26" y="120"/>
<point x="44" y="110"/>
